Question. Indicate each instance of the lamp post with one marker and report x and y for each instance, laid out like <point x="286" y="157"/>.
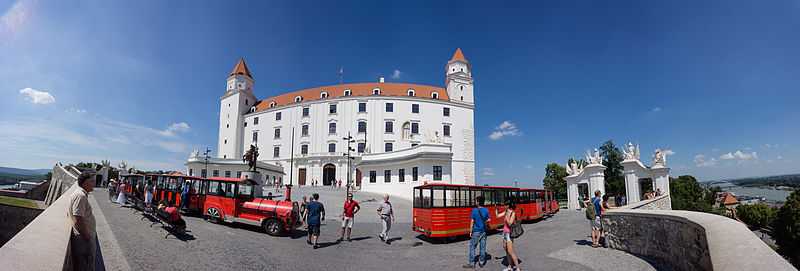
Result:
<point x="349" y="140"/>
<point x="205" y="154"/>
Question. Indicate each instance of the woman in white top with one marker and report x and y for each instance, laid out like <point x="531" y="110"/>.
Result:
<point x="148" y="194"/>
<point x="122" y="198"/>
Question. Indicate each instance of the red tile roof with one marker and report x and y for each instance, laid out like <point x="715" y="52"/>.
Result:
<point x="729" y="199"/>
<point x="356" y="89"/>
<point x="241" y="69"/>
<point x="458" y="55"/>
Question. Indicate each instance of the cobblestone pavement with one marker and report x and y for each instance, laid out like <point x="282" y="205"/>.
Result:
<point x="556" y="243"/>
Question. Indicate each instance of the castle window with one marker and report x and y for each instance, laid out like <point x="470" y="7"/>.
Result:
<point x="401" y="175"/>
<point x="446" y="130"/>
<point x="276" y="151"/>
<point x="332" y="109"/>
<point x="245" y="124"/>
<point x="215" y="173"/>
<point x="306" y="111"/>
<point x="303" y="149"/>
<point x="414" y="128"/>
<point x="227" y="174"/>
<point x="252" y="109"/>
<point x="372" y="176"/>
<point x="255" y="121"/>
<point x="277" y="115"/>
<point x="225" y="141"/>
<point x="389" y="128"/>
<point x="361" y="147"/>
<point x="227" y="125"/>
<point x="411" y="93"/>
<point x="332" y="128"/>
<point x="415" y="108"/>
<point x="347" y="92"/>
<point x="246" y="102"/>
<point x="255" y="136"/>
<point x="277" y="133"/>
<point x="304" y="130"/>
<point x="362" y="126"/>
<point x="388" y="147"/>
<point x="437" y="173"/>
<point x="435" y="95"/>
<point x="462" y="87"/>
<point x="332" y="147"/>
<point x="376" y="91"/>
<point x="446" y="111"/>
<point x="323" y="95"/>
<point x="203" y="173"/>
<point x="462" y="98"/>
<point x="406" y="130"/>
<point x="389" y="107"/>
<point x="271" y="104"/>
<point x="414" y="174"/>
<point x="362" y="107"/>
<point x="298" y="99"/>
<point x="387" y="176"/>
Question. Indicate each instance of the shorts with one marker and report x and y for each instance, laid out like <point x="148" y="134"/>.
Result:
<point x="313" y="230"/>
<point x="596" y="225"/>
<point x="347" y="222"/>
<point x="507" y="237"/>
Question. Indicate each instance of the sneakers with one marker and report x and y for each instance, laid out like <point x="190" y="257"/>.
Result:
<point x="380" y="236"/>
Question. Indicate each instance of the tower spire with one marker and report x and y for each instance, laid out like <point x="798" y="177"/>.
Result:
<point x="241" y="69"/>
<point x="458" y="56"/>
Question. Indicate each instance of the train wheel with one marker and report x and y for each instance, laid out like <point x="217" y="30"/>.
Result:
<point x="273" y="227"/>
<point x="214" y="215"/>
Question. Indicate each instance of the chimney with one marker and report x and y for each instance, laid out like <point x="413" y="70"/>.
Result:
<point x="381" y="80"/>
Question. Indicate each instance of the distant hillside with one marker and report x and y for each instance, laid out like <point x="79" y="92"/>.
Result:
<point x="23" y="172"/>
<point x="792" y="180"/>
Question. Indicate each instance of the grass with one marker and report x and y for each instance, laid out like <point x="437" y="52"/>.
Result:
<point x="19" y="202"/>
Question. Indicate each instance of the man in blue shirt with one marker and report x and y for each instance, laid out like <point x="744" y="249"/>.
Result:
<point x="315" y="212"/>
<point x="477" y="231"/>
<point x="597" y="227"/>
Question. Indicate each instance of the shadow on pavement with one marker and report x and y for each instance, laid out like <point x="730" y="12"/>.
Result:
<point x="361" y="238"/>
<point x="583" y="242"/>
<point x="391" y="240"/>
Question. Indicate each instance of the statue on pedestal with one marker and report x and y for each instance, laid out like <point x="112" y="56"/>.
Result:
<point x="251" y="157"/>
<point x="632" y="152"/>
<point x="574" y="168"/>
<point x="593" y="158"/>
<point x="659" y="158"/>
<point x="195" y="154"/>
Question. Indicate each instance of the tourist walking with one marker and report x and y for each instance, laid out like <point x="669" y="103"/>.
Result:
<point x="185" y="190"/>
<point x="148" y="194"/>
<point x="597" y="227"/>
<point x="83" y="237"/>
<point x="478" y="218"/>
<point x="386" y="214"/>
<point x="509" y="218"/>
<point x="351" y="207"/>
<point x="303" y="206"/>
<point x="122" y="199"/>
<point x="315" y="212"/>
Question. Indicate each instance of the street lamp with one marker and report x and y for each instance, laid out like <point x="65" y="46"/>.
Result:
<point x="205" y="154"/>
<point x="349" y="140"/>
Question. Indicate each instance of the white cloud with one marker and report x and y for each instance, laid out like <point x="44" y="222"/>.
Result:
<point x="487" y="171"/>
<point x="37" y="97"/>
<point x="701" y="161"/>
<point x="396" y="74"/>
<point x="656" y="109"/>
<point x="173" y="146"/>
<point x="669" y="152"/>
<point x="14" y="18"/>
<point x="506" y="128"/>
<point x="739" y="155"/>
<point x="180" y="127"/>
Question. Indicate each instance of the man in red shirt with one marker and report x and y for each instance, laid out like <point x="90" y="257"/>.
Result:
<point x="350" y="209"/>
<point x="173" y="216"/>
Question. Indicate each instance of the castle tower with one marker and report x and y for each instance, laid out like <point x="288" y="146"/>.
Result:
<point x="459" y="79"/>
<point x="236" y="102"/>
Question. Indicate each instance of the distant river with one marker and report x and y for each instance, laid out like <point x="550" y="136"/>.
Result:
<point x="7" y="186"/>
<point x="770" y="194"/>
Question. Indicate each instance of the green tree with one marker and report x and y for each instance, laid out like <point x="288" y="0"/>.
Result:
<point x="687" y="194"/>
<point x="786" y="228"/>
<point x="554" y="180"/>
<point x="612" y="159"/>
<point x="756" y="215"/>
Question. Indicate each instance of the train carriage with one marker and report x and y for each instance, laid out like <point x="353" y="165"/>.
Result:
<point x="239" y="200"/>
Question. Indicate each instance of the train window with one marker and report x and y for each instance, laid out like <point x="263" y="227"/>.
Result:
<point x="215" y="188"/>
<point x="439" y="198"/>
<point x="229" y="189"/>
<point x="196" y="186"/>
<point x="245" y="191"/>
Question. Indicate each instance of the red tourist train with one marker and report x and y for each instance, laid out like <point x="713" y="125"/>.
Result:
<point x="443" y="210"/>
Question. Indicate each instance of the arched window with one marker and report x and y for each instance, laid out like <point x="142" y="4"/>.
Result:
<point x="411" y="93"/>
<point x="435" y="95"/>
<point x="323" y="95"/>
<point x="376" y="91"/>
<point x="252" y="109"/>
<point x="298" y="99"/>
<point x="347" y="92"/>
<point x="462" y="87"/>
<point x="272" y="104"/>
<point x="406" y="130"/>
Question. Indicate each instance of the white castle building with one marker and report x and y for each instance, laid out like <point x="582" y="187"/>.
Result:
<point x="403" y="135"/>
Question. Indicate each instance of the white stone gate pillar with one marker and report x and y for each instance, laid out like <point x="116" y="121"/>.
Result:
<point x="572" y="192"/>
<point x="633" y="171"/>
<point x="597" y="179"/>
<point x="661" y="179"/>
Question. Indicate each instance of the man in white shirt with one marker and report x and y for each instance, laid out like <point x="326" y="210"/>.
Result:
<point x="84" y="235"/>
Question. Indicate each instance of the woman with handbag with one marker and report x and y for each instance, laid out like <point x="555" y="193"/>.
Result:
<point x="509" y="220"/>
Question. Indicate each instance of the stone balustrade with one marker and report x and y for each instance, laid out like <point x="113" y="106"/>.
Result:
<point x="685" y="240"/>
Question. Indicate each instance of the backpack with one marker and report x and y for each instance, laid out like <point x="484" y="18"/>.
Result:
<point x="590" y="212"/>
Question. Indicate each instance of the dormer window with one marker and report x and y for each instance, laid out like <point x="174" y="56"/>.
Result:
<point x="435" y="95"/>
<point x="272" y="104"/>
<point x="376" y="91"/>
<point x="298" y="99"/>
<point x="323" y="95"/>
<point x="347" y="92"/>
<point x="252" y="109"/>
<point x="411" y="93"/>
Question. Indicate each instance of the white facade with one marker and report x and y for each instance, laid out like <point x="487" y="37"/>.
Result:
<point x="232" y="168"/>
<point x="421" y="117"/>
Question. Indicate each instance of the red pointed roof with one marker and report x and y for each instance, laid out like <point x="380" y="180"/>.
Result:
<point x="241" y="69"/>
<point x="729" y="199"/>
<point x="458" y="55"/>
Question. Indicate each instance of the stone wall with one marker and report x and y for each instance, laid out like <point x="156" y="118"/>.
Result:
<point x="685" y="240"/>
<point x="663" y="202"/>
<point x="62" y="179"/>
<point x="13" y="219"/>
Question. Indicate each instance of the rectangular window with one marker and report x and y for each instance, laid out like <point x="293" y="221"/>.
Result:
<point x="362" y="107"/>
<point x="245" y="124"/>
<point x="446" y="130"/>
<point x="414" y="174"/>
<point x="306" y="111"/>
<point x="304" y="149"/>
<point x="414" y="128"/>
<point x="190" y="172"/>
<point x="401" y="175"/>
<point x="255" y="121"/>
<point x="373" y="176"/>
<point x="362" y="126"/>
<point x="238" y="174"/>
<point x="332" y="109"/>
<point x="304" y="130"/>
<point x="387" y="176"/>
<point x="437" y="173"/>
<point x="332" y="147"/>
<point x="389" y="107"/>
<point x="215" y="173"/>
<point x="276" y="151"/>
<point x="203" y="173"/>
<point x="332" y="128"/>
<point x="361" y="147"/>
<point x="387" y="147"/>
<point x="277" y="132"/>
<point x="277" y="115"/>
<point x="415" y="108"/>
<point x="446" y="111"/>
<point x="389" y="127"/>
<point x="227" y="174"/>
<point x="255" y="136"/>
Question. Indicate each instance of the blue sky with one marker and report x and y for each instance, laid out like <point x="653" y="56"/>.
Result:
<point x="717" y="82"/>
